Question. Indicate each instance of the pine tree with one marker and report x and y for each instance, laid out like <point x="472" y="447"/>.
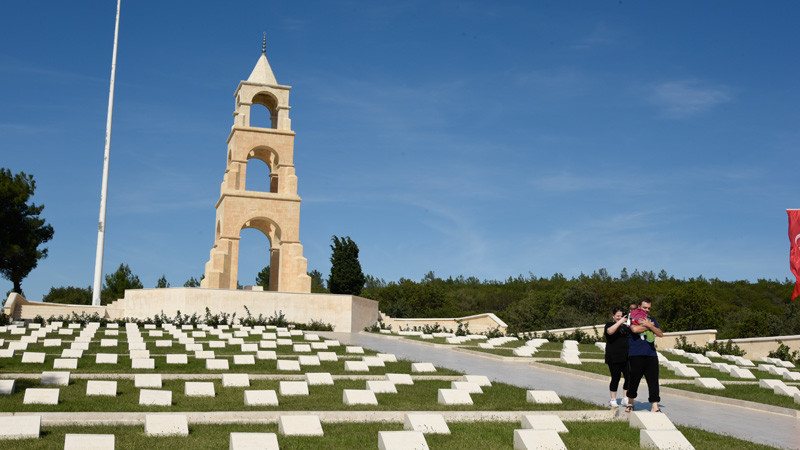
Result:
<point x="346" y="275"/>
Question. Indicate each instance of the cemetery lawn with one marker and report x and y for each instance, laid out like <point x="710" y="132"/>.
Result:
<point x="421" y="396"/>
<point x="749" y="392"/>
<point x="494" y="435"/>
<point x="663" y="372"/>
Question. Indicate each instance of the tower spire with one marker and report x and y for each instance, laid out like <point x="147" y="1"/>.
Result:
<point x="264" y="44"/>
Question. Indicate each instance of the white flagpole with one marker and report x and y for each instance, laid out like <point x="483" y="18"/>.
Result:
<point x="101" y="228"/>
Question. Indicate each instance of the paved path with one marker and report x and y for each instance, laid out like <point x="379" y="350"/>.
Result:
<point x="753" y="425"/>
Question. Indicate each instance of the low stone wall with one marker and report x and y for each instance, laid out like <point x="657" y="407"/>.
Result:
<point x="478" y="323"/>
<point x="344" y="312"/>
<point x="761" y="346"/>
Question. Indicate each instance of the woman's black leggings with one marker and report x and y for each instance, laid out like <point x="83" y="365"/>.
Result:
<point x="617" y="369"/>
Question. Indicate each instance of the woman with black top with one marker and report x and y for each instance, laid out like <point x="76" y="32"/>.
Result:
<point x="616" y="334"/>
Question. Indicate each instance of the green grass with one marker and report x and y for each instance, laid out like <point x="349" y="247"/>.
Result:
<point x="749" y="392"/>
<point x="493" y="435"/>
<point x="663" y="372"/>
<point x="422" y="395"/>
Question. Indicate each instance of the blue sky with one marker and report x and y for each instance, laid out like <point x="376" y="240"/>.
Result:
<point x="477" y="138"/>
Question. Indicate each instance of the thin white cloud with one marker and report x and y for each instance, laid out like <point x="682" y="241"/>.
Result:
<point x="600" y="36"/>
<point x="687" y="98"/>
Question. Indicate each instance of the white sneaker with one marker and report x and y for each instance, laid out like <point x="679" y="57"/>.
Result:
<point x="624" y="401"/>
<point x="613" y="403"/>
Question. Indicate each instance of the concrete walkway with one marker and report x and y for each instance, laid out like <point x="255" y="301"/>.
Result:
<point x="757" y="426"/>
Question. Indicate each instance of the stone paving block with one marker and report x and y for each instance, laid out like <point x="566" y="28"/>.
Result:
<point x="260" y="398"/>
<point x="300" y="426"/>
<point x="288" y="365"/>
<point x="33" y="357"/>
<point x="544" y="422"/>
<point x="65" y="363"/>
<point x="147" y="380"/>
<point x="177" y="358"/>
<point x="401" y="440"/>
<point x="166" y="425"/>
<point x="650" y="421"/>
<point x="20" y="427"/>
<point x="425" y="423"/>
<point x="381" y="386"/>
<point x="528" y="439"/>
<point x="769" y="383"/>
<point x="235" y="380"/>
<point x="71" y="353"/>
<point x="356" y="366"/>
<point x="472" y="388"/>
<point x="328" y="356"/>
<point x="266" y="354"/>
<point x="422" y="367"/>
<point x="480" y="380"/>
<point x="152" y="397"/>
<point x="373" y="361"/>
<point x="199" y="389"/>
<point x="41" y="396"/>
<point x="400" y="378"/>
<point x="454" y="397"/>
<point x="354" y="349"/>
<point x="98" y="387"/>
<point x="293" y="388"/>
<point x="534" y="396"/>
<point x="664" y="439"/>
<point x="301" y="348"/>
<point x="319" y="378"/>
<point x="89" y="441"/>
<point x="7" y="387"/>
<point x="143" y="363"/>
<point x="217" y="364"/>
<point x="308" y="360"/>
<point x="709" y="383"/>
<point x="359" y="397"/>
<point x="55" y="378"/>
<point x="253" y="441"/>
<point x="106" y="358"/>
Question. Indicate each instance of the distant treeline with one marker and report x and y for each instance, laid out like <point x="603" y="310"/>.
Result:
<point x="735" y="309"/>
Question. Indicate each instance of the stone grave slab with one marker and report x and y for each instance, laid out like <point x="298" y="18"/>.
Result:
<point x="544" y="422"/>
<point x="20" y="427"/>
<point x="381" y="386"/>
<point x="356" y="366"/>
<point x="709" y="383"/>
<point x="288" y="365"/>
<point x="156" y="333"/>
<point x="266" y="354"/>
<point x="301" y="348"/>
<point x="387" y="357"/>
<point x="308" y="425"/>
<point x="199" y="389"/>
<point x="293" y="388"/>
<point x="359" y="397"/>
<point x="650" y="421"/>
<point x="16" y="345"/>
<point x="139" y="354"/>
<point x="111" y="333"/>
<point x="79" y="346"/>
<point x="318" y="378"/>
<point x="236" y="341"/>
<point x="177" y="358"/>
<point x="319" y="346"/>
<point x="270" y="336"/>
<point x="742" y="373"/>
<point x="147" y="380"/>
<point x="472" y="388"/>
<point x="65" y="363"/>
<point x="328" y="356"/>
<point x="41" y="396"/>
<point x="249" y="347"/>
<point x="400" y="378"/>
<point x="51" y="343"/>
<point x="401" y="440"/>
<point x="373" y="361"/>
<point x="205" y="354"/>
<point x="143" y="363"/>
<point x="74" y="326"/>
<point x="426" y="423"/>
<point x="260" y="398"/>
<point x="782" y="363"/>
<point x="422" y="367"/>
<point x="217" y="364"/>
<point x="244" y="359"/>
<point x="66" y="332"/>
<point x="71" y="353"/>
<point x="161" y="343"/>
<point x="534" y="396"/>
<point x="235" y="380"/>
<point x="296" y="332"/>
<point x="712" y="354"/>
<point x="685" y="371"/>
<point x="253" y="441"/>
<point x="74" y="441"/>
<point x="33" y="357"/>
<point x="151" y="397"/>
<point x="311" y="337"/>
<point x="166" y="425"/>
<point x="55" y="378"/>
<point x="308" y="360"/>
<point x="332" y="342"/>
<point x="98" y="387"/>
<point x="788" y="391"/>
<point x="769" y="383"/>
<point x="106" y="358"/>
<point x="454" y="397"/>
<point x="6" y="353"/>
<point x="7" y="387"/>
<point x="480" y="380"/>
<point x="354" y="349"/>
<point x="268" y="344"/>
<point x="664" y="439"/>
<point x="537" y="439"/>
<point x="791" y="376"/>
<point x="217" y="344"/>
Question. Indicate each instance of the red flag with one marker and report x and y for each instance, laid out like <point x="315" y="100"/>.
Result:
<point x="794" y="252"/>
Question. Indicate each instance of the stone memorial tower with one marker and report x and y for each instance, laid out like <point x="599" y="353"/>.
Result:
<point x="275" y="213"/>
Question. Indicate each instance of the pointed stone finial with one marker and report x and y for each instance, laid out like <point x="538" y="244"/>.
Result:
<point x="264" y="44"/>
